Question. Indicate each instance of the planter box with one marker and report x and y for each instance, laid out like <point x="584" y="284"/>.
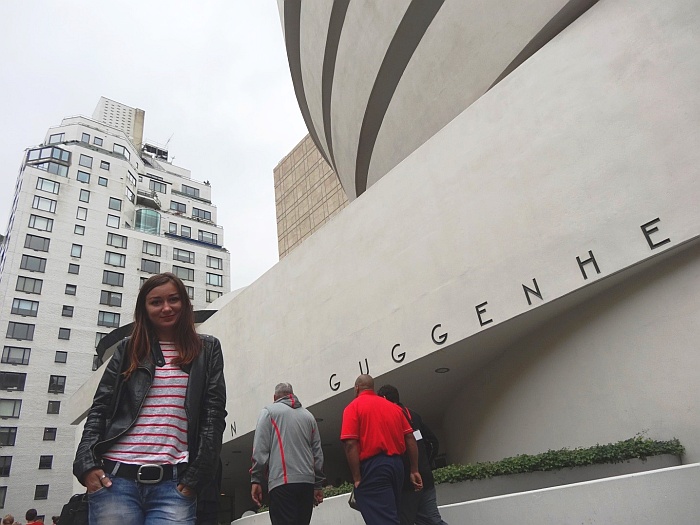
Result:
<point x="448" y="493"/>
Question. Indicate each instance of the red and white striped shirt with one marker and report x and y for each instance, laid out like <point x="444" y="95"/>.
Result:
<point x="159" y="434"/>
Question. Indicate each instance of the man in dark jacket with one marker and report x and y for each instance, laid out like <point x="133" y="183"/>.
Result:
<point x="287" y="451"/>
<point x="418" y="508"/>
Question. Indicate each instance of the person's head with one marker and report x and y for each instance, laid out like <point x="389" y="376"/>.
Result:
<point x="163" y="312"/>
<point x="389" y="392"/>
<point x="30" y="515"/>
<point x="283" y="390"/>
<point x="363" y="382"/>
<point x="54" y="519"/>
<point x="9" y="519"/>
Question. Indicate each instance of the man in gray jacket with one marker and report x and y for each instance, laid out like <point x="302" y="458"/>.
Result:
<point x="287" y="450"/>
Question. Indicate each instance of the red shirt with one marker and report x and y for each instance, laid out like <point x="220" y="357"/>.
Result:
<point x="377" y="424"/>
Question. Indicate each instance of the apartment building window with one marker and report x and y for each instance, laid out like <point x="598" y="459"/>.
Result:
<point x="110" y="299"/>
<point x="186" y="274"/>
<point x="41" y="491"/>
<point x="56" y="138"/>
<point x="12" y="381"/>
<point x="130" y="194"/>
<point x="213" y="295"/>
<point x="61" y="357"/>
<point x="29" y="285"/>
<point x="215" y="262"/>
<point x="97" y="141"/>
<point x="109" y="319"/>
<point x="44" y="204"/>
<point x="53" y="167"/>
<point x="208" y="237"/>
<point x="3" y="495"/>
<point x="113" y="221"/>
<point x="115" y="204"/>
<point x="102" y="181"/>
<point x="183" y="255"/>
<point x="45" y="462"/>
<point x="33" y="264"/>
<point x="34" y="242"/>
<point x="131" y="178"/>
<point x="121" y="150"/>
<point x="147" y="221"/>
<point x="172" y="228"/>
<point x="113" y="278"/>
<point x="178" y="207"/>
<point x="189" y="190"/>
<point x="83" y="176"/>
<point x="73" y="268"/>
<point x="115" y="259"/>
<point x="76" y="250"/>
<point x="186" y="231"/>
<point x="157" y="186"/>
<point x="16" y="355"/>
<point x="10" y="408"/>
<point x="150" y="266"/>
<point x="215" y="279"/>
<point x="71" y="289"/>
<point x="20" y="331"/>
<point x="79" y="229"/>
<point x="5" y="465"/>
<point x="50" y="433"/>
<point x="190" y="291"/>
<point x="104" y="165"/>
<point x="201" y="214"/>
<point x="85" y="161"/>
<point x="25" y="307"/>
<point x="84" y="196"/>
<point x="67" y="311"/>
<point x="47" y="185"/>
<point x="85" y="138"/>
<point x="40" y="223"/>
<point x="81" y="214"/>
<point x="151" y="248"/>
<point x="118" y="241"/>
<point x="8" y="435"/>
<point x="64" y="333"/>
<point x="53" y="407"/>
<point x="57" y="384"/>
<point x="98" y="337"/>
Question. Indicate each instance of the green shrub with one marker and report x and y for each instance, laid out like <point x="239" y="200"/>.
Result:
<point x="639" y="447"/>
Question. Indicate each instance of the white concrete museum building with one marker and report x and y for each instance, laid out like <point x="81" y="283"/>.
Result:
<point x="520" y="256"/>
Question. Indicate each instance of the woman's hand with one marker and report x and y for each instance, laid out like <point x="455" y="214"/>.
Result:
<point x="185" y="490"/>
<point x="95" y="479"/>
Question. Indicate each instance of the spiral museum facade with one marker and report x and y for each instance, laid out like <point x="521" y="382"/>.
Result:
<point x="520" y="255"/>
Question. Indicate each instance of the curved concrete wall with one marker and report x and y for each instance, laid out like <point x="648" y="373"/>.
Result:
<point x="376" y="80"/>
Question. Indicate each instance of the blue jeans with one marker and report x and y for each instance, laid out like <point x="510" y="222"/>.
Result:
<point x="128" y="502"/>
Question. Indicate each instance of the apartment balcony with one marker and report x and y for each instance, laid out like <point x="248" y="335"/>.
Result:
<point x="148" y="198"/>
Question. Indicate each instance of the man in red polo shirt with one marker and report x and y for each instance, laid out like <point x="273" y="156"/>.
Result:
<point x="375" y="434"/>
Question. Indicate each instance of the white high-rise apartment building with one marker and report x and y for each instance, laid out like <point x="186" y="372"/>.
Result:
<point x="96" y="211"/>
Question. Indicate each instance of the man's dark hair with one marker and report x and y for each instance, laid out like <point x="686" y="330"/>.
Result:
<point x="389" y="392"/>
<point x="30" y="515"/>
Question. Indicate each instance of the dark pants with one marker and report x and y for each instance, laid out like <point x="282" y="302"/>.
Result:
<point x="379" y="490"/>
<point x="292" y="504"/>
<point x="420" y="508"/>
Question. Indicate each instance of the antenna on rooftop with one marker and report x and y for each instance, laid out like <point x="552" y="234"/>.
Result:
<point x="168" y="142"/>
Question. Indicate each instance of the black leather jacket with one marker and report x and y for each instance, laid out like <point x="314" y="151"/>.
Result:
<point x="117" y="404"/>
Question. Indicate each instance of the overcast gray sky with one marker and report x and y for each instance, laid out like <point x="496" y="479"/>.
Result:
<point x="211" y="74"/>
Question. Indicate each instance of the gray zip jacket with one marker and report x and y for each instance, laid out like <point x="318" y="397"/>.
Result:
<point x="287" y="445"/>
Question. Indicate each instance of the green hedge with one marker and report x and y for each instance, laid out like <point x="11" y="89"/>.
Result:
<point x="638" y="447"/>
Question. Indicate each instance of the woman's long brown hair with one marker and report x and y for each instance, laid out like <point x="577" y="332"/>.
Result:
<point x="187" y="341"/>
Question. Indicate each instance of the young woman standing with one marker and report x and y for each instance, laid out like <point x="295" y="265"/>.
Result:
<point x="153" y="434"/>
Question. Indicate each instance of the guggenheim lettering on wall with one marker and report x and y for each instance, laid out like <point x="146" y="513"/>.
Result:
<point x="439" y="334"/>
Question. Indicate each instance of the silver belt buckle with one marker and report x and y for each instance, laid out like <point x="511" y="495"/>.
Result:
<point x="150" y="481"/>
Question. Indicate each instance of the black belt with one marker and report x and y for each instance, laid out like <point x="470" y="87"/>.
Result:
<point x="148" y="474"/>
